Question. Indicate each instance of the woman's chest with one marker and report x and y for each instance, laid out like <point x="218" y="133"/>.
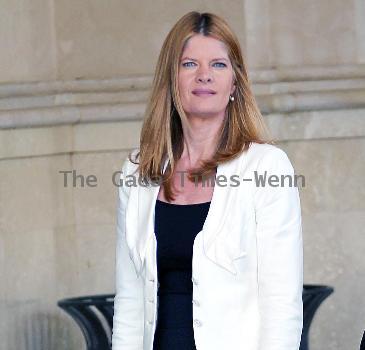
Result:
<point x="175" y="228"/>
<point x="187" y="191"/>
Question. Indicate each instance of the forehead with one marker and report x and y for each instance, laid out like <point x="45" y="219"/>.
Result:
<point x="200" y="45"/>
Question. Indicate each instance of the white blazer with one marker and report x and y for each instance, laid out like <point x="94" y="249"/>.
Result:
<point x="247" y="262"/>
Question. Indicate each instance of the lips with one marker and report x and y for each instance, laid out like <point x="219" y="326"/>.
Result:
<point x="204" y="92"/>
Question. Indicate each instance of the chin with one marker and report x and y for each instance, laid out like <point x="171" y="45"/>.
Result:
<point x="203" y="113"/>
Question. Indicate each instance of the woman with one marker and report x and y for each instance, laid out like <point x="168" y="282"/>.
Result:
<point x="205" y="264"/>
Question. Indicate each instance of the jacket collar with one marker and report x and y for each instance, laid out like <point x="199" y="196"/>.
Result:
<point x="140" y="216"/>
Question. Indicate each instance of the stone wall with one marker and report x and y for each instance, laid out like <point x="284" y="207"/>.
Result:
<point x="75" y="78"/>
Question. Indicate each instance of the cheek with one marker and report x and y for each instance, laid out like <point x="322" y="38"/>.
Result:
<point x="227" y="84"/>
<point x="183" y="81"/>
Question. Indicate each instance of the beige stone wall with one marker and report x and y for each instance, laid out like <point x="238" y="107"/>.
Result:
<point x="75" y="77"/>
<point x="47" y="39"/>
<point x="27" y="41"/>
<point x="56" y="241"/>
<point x="301" y="32"/>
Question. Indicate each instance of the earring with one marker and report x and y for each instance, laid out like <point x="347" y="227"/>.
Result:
<point x="231" y="97"/>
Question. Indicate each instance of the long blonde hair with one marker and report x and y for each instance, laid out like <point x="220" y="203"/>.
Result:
<point x="162" y="133"/>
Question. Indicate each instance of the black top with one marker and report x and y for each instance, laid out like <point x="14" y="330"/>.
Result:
<point x="176" y="226"/>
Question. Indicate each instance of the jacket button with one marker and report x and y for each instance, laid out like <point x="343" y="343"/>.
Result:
<point x="194" y="280"/>
<point x="149" y="322"/>
<point x="152" y="280"/>
<point x="196" y="302"/>
<point x="150" y="300"/>
<point x="197" y="323"/>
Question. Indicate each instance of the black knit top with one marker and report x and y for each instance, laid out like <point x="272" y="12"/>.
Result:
<point x="176" y="226"/>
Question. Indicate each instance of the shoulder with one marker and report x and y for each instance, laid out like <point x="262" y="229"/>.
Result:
<point x="260" y="150"/>
<point x="268" y="156"/>
<point x="129" y="167"/>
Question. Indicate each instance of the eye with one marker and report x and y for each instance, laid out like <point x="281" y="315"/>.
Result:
<point x="220" y="64"/>
<point x="188" y="64"/>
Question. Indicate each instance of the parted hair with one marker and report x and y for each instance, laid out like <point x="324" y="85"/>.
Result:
<point x="162" y="133"/>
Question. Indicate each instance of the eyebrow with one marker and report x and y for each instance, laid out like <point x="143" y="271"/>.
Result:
<point x="214" y="59"/>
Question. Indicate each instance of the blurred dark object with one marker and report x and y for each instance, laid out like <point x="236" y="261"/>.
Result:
<point x="313" y="296"/>
<point x="94" y="315"/>
<point x="362" y="345"/>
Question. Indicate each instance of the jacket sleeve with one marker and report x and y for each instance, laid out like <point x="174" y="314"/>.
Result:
<point x="128" y="319"/>
<point x="280" y="255"/>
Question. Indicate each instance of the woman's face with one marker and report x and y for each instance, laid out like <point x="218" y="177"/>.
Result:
<point x="205" y="77"/>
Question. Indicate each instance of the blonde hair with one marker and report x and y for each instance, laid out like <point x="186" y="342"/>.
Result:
<point x="162" y="133"/>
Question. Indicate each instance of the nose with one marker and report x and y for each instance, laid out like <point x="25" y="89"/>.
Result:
<point x="204" y="79"/>
<point x="204" y="75"/>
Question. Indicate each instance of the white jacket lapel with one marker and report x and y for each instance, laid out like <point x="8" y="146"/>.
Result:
<point x="220" y="235"/>
<point x="217" y="245"/>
